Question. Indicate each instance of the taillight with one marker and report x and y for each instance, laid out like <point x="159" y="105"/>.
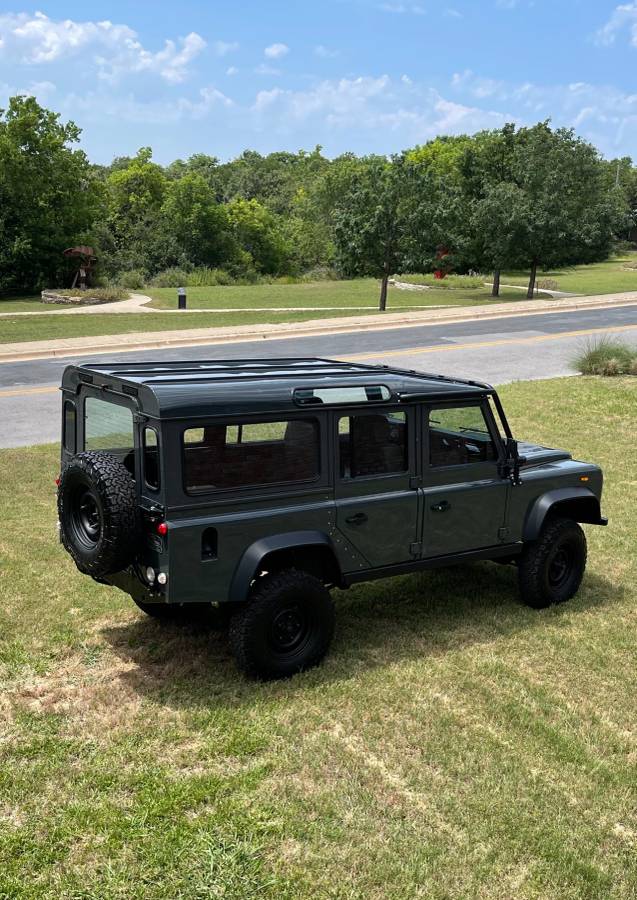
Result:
<point x="162" y="528"/>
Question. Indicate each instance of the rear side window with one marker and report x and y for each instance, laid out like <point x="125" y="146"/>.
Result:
<point x="372" y="444"/>
<point x="151" y="458"/>
<point x="107" y="426"/>
<point x="459" y="435"/>
<point x="223" y="456"/>
<point x="68" y="435"/>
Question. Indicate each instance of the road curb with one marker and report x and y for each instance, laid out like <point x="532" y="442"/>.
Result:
<point x="128" y="343"/>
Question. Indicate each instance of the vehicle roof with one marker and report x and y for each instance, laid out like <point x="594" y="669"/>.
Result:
<point x="198" y="388"/>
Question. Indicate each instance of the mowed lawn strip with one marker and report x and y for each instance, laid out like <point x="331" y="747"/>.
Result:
<point x="342" y="294"/>
<point x="612" y="275"/>
<point x="454" y="743"/>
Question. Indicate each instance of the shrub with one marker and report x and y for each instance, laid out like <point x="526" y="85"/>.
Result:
<point x="548" y="284"/>
<point x="451" y="282"/>
<point x="172" y="277"/>
<point x="320" y="273"/>
<point x="133" y="279"/>
<point x="202" y="276"/>
<point x="607" y="356"/>
<point x="110" y="292"/>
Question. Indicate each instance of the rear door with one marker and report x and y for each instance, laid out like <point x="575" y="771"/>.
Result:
<point x="465" y="497"/>
<point x="376" y="498"/>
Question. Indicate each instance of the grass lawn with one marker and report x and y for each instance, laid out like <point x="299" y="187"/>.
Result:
<point x="24" y="304"/>
<point x="354" y="292"/>
<point x="39" y="328"/>
<point x="598" y="278"/>
<point x="454" y="744"/>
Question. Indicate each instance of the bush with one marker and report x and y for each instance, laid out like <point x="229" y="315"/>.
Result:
<point x="203" y="276"/>
<point x="320" y="273"/>
<point x="172" y="277"/>
<point x="548" y="284"/>
<point x="133" y="279"/>
<point x="451" y="282"/>
<point x="607" y="357"/>
<point x="111" y="292"/>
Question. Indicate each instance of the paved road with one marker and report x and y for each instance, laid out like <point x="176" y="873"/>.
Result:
<point x="496" y="350"/>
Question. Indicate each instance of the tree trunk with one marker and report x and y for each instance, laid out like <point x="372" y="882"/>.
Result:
<point x="382" y="305"/>
<point x="495" y="290"/>
<point x="529" y="293"/>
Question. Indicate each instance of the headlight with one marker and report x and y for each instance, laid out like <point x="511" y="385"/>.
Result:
<point x="150" y="575"/>
<point x="162" y="578"/>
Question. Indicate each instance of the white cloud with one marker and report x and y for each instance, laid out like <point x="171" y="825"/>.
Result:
<point x="232" y="70"/>
<point x="623" y="17"/>
<point x="402" y="8"/>
<point x="276" y="51"/>
<point x="222" y="48"/>
<point x="114" y="49"/>
<point x="265" y="69"/>
<point x="324" y="52"/>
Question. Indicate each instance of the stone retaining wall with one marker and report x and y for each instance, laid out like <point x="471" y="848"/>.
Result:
<point x="83" y="299"/>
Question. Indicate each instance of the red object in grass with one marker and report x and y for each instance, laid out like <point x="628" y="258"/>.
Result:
<point x="439" y="274"/>
<point x="162" y="529"/>
<point x="57" y="482"/>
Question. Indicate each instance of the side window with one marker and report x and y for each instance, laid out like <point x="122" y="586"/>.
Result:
<point x="68" y="436"/>
<point x="459" y="435"/>
<point x="372" y="444"/>
<point x="223" y="456"/>
<point x="151" y="458"/>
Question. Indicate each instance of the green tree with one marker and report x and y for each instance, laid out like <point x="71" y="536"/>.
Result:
<point x="570" y="214"/>
<point x="49" y="195"/>
<point x="391" y="218"/>
<point x="259" y="235"/>
<point x="200" y="224"/>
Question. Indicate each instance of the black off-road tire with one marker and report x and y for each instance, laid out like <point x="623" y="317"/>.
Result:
<point x="285" y="627"/>
<point x="98" y="513"/>
<point x="552" y="567"/>
<point x="203" y="614"/>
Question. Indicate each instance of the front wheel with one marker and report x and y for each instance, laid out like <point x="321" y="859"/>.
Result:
<point x="285" y="627"/>
<point x="552" y="567"/>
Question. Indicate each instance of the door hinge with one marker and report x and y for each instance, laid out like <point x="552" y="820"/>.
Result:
<point x="415" y="549"/>
<point x="415" y="481"/>
<point x="503" y="533"/>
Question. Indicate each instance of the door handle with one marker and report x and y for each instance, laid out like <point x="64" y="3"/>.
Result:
<point x="443" y="506"/>
<point x="356" y="519"/>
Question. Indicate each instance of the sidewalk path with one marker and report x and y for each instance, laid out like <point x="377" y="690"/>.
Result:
<point x="25" y="350"/>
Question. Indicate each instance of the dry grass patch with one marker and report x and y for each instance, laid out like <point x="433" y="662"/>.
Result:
<point x="454" y="744"/>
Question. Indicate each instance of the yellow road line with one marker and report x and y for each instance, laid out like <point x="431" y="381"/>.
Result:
<point x="23" y="392"/>
<point x="409" y="351"/>
<point x="441" y="348"/>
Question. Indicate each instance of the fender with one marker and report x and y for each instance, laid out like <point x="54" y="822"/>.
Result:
<point x="249" y="562"/>
<point x="580" y="503"/>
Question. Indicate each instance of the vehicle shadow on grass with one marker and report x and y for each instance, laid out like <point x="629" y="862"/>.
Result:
<point x="378" y="624"/>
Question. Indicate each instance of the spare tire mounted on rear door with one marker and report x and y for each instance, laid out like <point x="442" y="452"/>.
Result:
<point x="98" y="512"/>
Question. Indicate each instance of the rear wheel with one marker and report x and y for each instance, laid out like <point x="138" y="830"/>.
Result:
<point x="286" y="626"/>
<point x="552" y="567"/>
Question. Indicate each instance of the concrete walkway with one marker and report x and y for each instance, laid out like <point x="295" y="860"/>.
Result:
<point x="25" y="350"/>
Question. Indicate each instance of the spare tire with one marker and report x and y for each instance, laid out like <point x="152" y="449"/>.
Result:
<point x="98" y="513"/>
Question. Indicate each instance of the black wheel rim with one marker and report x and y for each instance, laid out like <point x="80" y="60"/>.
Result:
<point x="86" y="518"/>
<point x="560" y="566"/>
<point x="289" y="629"/>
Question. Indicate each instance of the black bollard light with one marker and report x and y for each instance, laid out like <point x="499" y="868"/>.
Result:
<point x="181" y="298"/>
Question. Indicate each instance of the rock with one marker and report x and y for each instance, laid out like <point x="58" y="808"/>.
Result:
<point x="83" y="299"/>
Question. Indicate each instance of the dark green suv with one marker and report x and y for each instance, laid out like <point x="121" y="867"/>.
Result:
<point x="252" y="487"/>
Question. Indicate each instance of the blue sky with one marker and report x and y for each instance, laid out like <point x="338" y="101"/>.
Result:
<point x="360" y="75"/>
